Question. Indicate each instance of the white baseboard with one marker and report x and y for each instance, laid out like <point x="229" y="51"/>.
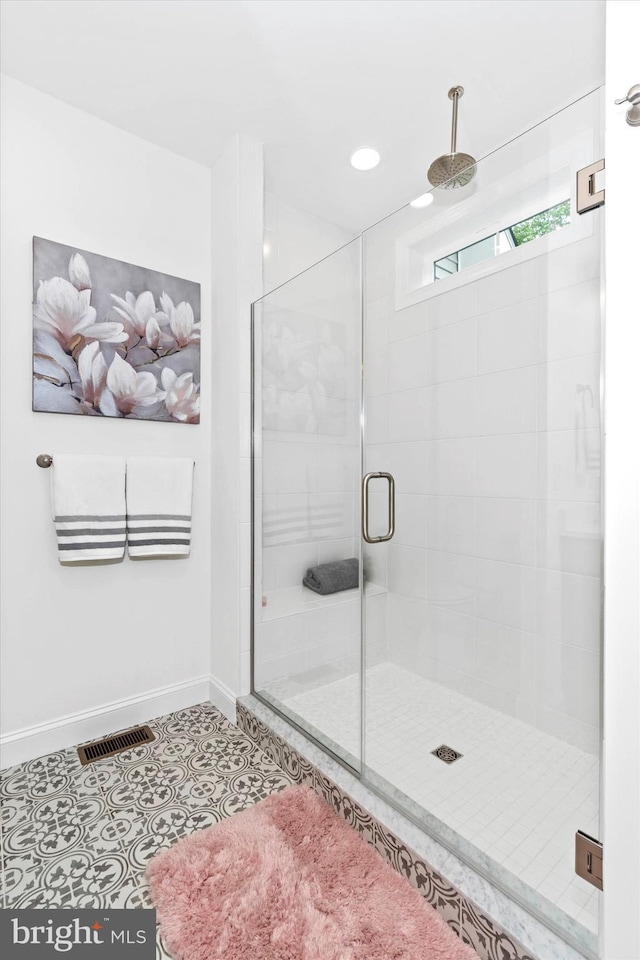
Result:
<point x="76" y="728"/>
<point x="223" y="698"/>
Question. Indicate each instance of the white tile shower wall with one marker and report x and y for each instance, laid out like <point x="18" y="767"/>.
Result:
<point x="488" y="416"/>
<point x="319" y="637"/>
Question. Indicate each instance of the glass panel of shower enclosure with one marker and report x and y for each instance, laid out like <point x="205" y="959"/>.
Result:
<point x="307" y="428"/>
<point x="482" y="400"/>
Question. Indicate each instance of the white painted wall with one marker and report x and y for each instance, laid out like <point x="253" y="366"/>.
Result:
<point x="294" y="240"/>
<point x="621" y="763"/>
<point x="135" y="635"/>
<point x="236" y="211"/>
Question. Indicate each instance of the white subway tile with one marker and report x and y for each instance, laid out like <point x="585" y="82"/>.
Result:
<point x="245" y="619"/>
<point x="244" y="493"/>
<point x="569" y="323"/>
<point x="269" y="568"/>
<point x="508" y="337"/>
<point x="506" y="530"/>
<point x="507" y="402"/>
<point x="408" y="363"/>
<point x="451" y="352"/>
<point x="451" y="580"/>
<point x="569" y="465"/>
<point x="330" y="550"/>
<point x="244" y="559"/>
<point x="332" y="515"/>
<point x="379" y="371"/>
<point x="570" y="536"/>
<point x="450" y="638"/>
<point x="568" y="680"/>
<point x="376" y="627"/>
<point x="406" y="461"/>
<point x="409" y="415"/>
<point x="411" y="519"/>
<point x="375" y="563"/>
<point x="569" y="608"/>
<point x="338" y="467"/>
<point x="505" y="287"/>
<point x="376" y="420"/>
<point x="507" y="466"/>
<point x="408" y="623"/>
<point x="505" y="701"/>
<point x="245" y="424"/>
<point x="506" y="594"/>
<point x="569" y="394"/>
<point x="293" y="562"/>
<point x="451" y="524"/>
<point x="377" y="318"/>
<point x="584" y="735"/>
<point x="450" y="410"/>
<point x="409" y="322"/>
<point x="576" y="263"/>
<point x="506" y="658"/>
<point x="453" y="306"/>
<point x="451" y="467"/>
<point x="407" y="571"/>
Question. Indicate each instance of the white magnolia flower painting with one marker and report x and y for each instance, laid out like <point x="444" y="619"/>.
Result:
<point x="111" y="339"/>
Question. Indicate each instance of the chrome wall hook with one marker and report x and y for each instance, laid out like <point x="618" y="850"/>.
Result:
<point x="632" y="98"/>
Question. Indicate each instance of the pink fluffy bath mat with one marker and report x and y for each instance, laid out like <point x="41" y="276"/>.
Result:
<point x="289" y="880"/>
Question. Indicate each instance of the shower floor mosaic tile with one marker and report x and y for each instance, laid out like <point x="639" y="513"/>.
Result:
<point x="75" y="836"/>
<point x="518" y="794"/>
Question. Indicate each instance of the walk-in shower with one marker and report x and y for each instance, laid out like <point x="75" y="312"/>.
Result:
<point x="455" y="348"/>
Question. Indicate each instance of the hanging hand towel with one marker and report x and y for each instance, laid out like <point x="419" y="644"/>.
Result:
<point x="159" y="506"/>
<point x="88" y="506"/>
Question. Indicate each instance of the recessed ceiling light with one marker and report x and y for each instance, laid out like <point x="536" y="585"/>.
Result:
<point x="422" y="201"/>
<point x="366" y="158"/>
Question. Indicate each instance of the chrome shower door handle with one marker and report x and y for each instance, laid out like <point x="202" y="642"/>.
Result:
<point x="365" y="506"/>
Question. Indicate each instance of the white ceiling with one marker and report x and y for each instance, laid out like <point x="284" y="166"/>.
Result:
<point x="313" y="79"/>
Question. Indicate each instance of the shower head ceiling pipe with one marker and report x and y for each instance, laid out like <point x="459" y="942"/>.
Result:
<point x="452" y="169"/>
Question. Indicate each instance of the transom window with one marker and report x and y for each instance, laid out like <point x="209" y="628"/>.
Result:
<point x="540" y="224"/>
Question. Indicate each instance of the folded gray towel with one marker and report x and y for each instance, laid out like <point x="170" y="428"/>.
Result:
<point x="331" y="577"/>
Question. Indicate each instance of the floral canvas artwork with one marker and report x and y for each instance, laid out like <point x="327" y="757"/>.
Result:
<point x="111" y="339"/>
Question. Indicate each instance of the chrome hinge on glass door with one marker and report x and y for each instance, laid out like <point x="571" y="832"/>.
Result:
<point x="589" y="859"/>
<point x="587" y="197"/>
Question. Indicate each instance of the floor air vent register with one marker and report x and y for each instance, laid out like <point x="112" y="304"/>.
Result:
<point x="100" y="749"/>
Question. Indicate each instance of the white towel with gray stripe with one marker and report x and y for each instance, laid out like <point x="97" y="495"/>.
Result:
<point x="159" y="492"/>
<point x="88" y="507"/>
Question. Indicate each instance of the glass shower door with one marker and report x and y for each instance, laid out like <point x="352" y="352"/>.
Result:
<point x="482" y="613"/>
<point x="306" y="410"/>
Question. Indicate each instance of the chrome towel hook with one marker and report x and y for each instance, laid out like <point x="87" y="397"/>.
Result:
<point x="632" y="98"/>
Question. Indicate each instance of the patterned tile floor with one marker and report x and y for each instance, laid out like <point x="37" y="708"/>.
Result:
<point x="518" y="794"/>
<point x="75" y="836"/>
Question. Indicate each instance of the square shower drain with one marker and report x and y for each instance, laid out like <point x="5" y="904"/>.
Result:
<point x="448" y="754"/>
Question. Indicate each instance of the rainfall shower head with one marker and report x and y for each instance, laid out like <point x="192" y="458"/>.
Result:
<point x="452" y="169"/>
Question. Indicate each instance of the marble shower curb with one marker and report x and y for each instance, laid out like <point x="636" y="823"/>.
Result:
<point x="478" y="913"/>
